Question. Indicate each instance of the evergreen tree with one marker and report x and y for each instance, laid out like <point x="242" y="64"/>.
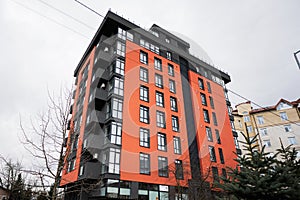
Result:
<point x="262" y="176"/>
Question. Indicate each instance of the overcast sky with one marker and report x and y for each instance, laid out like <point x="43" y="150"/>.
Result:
<point x="253" y="41"/>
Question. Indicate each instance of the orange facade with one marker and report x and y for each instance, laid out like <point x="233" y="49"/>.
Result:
<point x="131" y="148"/>
<point x="223" y="126"/>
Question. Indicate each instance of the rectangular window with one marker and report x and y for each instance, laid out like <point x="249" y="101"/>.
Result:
<point x="218" y="136"/>
<point x="161" y="142"/>
<point x="173" y="103"/>
<point x="159" y="81"/>
<point x="144" y="74"/>
<point x="171" y="70"/>
<point x="211" y="101"/>
<point x="260" y="119"/>
<point x="157" y="64"/>
<point x="263" y="131"/>
<point x="163" y="170"/>
<point x="114" y="108"/>
<point x="144" y="137"/>
<point x="212" y="153"/>
<point x="144" y="93"/>
<point x="172" y="86"/>
<point x="144" y="114"/>
<point x="144" y="163"/>
<point x="215" y="118"/>
<point x="215" y="174"/>
<point x="287" y="128"/>
<point x="144" y="57"/>
<point x="283" y="116"/>
<point x="208" y="87"/>
<point x="114" y="133"/>
<point x="114" y="161"/>
<point x="175" y="124"/>
<point x="206" y="116"/>
<point x="249" y="129"/>
<point x="203" y="99"/>
<point x="119" y="67"/>
<point x="116" y="86"/>
<point x="224" y="173"/>
<point x="292" y="140"/>
<point x="159" y="99"/>
<point x="177" y="145"/>
<point x="160" y="119"/>
<point x="201" y="84"/>
<point x="221" y="156"/>
<point x="178" y="169"/>
<point x="120" y="48"/>
<point x="209" y="134"/>
<point x="121" y="33"/>
<point x="267" y="143"/>
<point x="71" y="165"/>
<point x="246" y="118"/>
<point x="169" y="55"/>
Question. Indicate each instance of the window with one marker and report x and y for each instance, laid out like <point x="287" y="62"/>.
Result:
<point x="177" y="145"/>
<point x="292" y="140"/>
<point x="116" y="86"/>
<point x="144" y="137"/>
<point x="114" y="161"/>
<point x="205" y="115"/>
<point x="218" y="136"/>
<point x="209" y="134"/>
<point x="144" y="57"/>
<point x="167" y="40"/>
<point x="224" y="173"/>
<point x="161" y="142"/>
<point x="144" y="114"/>
<point x="208" y="87"/>
<point x="159" y="99"/>
<point x="114" y="108"/>
<point x="215" y="174"/>
<point x="211" y="101"/>
<point x="203" y="99"/>
<point x="175" y="125"/>
<point x="263" y="131"/>
<point x="212" y="153"/>
<point x="144" y="93"/>
<point x="169" y="55"/>
<point x="172" y="86"/>
<point x="249" y="129"/>
<point x="121" y="48"/>
<point x="283" y="116"/>
<point x="81" y="170"/>
<point x="159" y="81"/>
<point x="267" y="143"/>
<point x="287" y="128"/>
<point x="246" y="118"/>
<point x="221" y="156"/>
<point x="144" y="163"/>
<point x="160" y="119"/>
<point x="119" y="67"/>
<point x="114" y="133"/>
<point x="170" y="70"/>
<point x="201" y="84"/>
<point x="173" y="103"/>
<point x="215" y="118"/>
<point x="178" y="169"/>
<point x="121" y="33"/>
<point x="260" y="119"/>
<point x="144" y="74"/>
<point x="163" y="166"/>
<point x="71" y="165"/>
<point x="157" y="64"/>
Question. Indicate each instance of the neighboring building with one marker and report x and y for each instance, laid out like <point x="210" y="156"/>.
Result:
<point x="272" y="124"/>
<point x="4" y="193"/>
<point x="148" y="118"/>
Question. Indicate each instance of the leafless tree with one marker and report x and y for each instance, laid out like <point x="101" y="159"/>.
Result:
<point x="44" y="139"/>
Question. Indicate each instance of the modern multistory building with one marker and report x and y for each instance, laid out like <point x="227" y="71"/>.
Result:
<point x="272" y="124"/>
<point x="149" y="120"/>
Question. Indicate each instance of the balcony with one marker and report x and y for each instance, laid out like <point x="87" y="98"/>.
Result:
<point x="91" y="170"/>
<point x="101" y="94"/>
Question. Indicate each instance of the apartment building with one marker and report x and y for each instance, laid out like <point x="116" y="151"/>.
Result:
<point x="148" y="118"/>
<point x="273" y="124"/>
